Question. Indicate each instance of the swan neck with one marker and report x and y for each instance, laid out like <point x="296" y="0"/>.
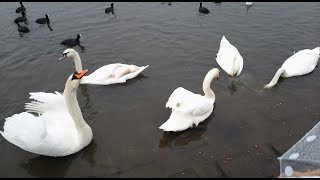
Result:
<point x="208" y="93"/>
<point x="70" y="96"/>
<point x="77" y="62"/>
<point x="276" y="77"/>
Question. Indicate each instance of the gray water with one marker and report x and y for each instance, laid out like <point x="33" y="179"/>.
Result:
<point x="180" y="47"/>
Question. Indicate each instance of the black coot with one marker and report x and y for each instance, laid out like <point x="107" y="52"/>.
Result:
<point x="109" y="9"/>
<point x="203" y="9"/>
<point x="21" y="8"/>
<point x="22" y="29"/>
<point x="43" y="20"/>
<point x="72" y="42"/>
<point x="23" y="18"/>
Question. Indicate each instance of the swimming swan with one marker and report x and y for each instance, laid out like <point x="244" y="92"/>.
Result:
<point x="300" y="63"/>
<point x="229" y="58"/>
<point x="189" y="108"/>
<point x="105" y="75"/>
<point x="58" y="130"/>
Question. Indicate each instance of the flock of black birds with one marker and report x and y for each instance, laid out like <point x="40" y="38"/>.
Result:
<point x="24" y="29"/>
<point x="68" y="42"/>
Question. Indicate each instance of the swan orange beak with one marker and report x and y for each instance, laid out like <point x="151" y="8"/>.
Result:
<point x="81" y="74"/>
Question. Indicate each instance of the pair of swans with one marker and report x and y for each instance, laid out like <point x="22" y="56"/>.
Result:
<point x="188" y="108"/>
<point x="59" y="129"/>
<point x="300" y="63"/>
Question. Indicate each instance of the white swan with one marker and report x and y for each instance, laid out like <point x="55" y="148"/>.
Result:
<point x="229" y="58"/>
<point x="300" y="63"/>
<point x="189" y="108"/>
<point x="105" y="75"/>
<point x="249" y="3"/>
<point x="58" y="130"/>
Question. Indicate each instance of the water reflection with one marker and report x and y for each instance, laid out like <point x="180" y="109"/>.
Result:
<point x="183" y="138"/>
<point x="49" y="27"/>
<point x="45" y="166"/>
<point x="232" y="87"/>
<point x="248" y="8"/>
<point x="87" y="108"/>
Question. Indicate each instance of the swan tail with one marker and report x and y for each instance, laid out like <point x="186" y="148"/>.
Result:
<point x="224" y="40"/>
<point x="44" y="101"/>
<point x="135" y="73"/>
<point x="275" y="78"/>
<point x="176" y="122"/>
<point x="317" y="49"/>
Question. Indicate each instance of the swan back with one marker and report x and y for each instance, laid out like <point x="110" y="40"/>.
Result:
<point x="229" y="58"/>
<point x="187" y="109"/>
<point x="300" y="63"/>
<point x="113" y="73"/>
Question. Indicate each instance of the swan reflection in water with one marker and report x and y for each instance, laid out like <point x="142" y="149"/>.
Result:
<point x="183" y="138"/>
<point x="53" y="167"/>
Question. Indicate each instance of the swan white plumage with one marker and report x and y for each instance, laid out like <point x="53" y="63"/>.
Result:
<point x="58" y="130"/>
<point x="249" y="3"/>
<point x="300" y="63"/>
<point x="229" y="58"/>
<point x="105" y="75"/>
<point x="189" y="108"/>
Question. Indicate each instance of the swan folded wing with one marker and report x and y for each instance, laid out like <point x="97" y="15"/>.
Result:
<point x="186" y="102"/>
<point x="226" y="56"/>
<point x="135" y="73"/>
<point x="239" y="64"/>
<point x="24" y="130"/>
<point x="46" y="102"/>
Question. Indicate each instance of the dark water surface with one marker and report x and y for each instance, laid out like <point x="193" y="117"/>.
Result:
<point x="180" y="46"/>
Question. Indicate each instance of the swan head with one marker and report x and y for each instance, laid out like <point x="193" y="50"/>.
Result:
<point x="68" y="53"/>
<point x="74" y="79"/>
<point x="111" y="4"/>
<point x="47" y="16"/>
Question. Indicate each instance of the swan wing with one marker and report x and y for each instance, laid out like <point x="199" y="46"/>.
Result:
<point x="186" y="102"/>
<point x="45" y="102"/>
<point x="187" y="109"/>
<point x="24" y="130"/>
<point x="51" y="133"/>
